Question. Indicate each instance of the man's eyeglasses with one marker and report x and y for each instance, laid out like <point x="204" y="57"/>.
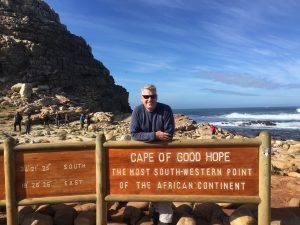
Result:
<point x="149" y="96"/>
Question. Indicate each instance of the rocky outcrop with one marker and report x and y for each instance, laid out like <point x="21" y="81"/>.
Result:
<point x="36" y="49"/>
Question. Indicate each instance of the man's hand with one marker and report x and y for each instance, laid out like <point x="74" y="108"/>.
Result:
<point x="163" y="136"/>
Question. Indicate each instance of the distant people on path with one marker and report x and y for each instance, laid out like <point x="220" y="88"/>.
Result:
<point x="57" y="119"/>
<point x="46" y="120"/>
<point x="81" y="120"/>
<point x="67" y="119"/>
<point x="212" y="129"/>
<point x="28" y="123"/>
<point x="18" y="121"/>
<point x="88" y="122"/>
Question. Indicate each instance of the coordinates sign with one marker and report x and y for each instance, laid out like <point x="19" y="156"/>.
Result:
<point x="184" y="171"/>
<point x="43" y="173"/>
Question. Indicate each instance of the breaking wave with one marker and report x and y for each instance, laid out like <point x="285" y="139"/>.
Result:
<point x="247" y="116"/>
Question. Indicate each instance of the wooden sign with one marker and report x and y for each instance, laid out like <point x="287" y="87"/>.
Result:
<point x="184" y="171"/>
<point x="2" y="184"/>
<point x="44" y="173"/>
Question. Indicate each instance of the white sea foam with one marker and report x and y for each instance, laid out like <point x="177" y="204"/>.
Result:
<point x="247" y="116"/>
<point x="298" y="110"/>
<point x="278" y="125"/>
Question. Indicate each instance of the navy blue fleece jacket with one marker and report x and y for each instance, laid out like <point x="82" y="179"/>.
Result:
<point x="144" y="124"/>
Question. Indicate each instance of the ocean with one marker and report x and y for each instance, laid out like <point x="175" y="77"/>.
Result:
<point x="282" y="123"/>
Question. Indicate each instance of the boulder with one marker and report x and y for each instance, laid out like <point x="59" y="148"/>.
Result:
<point x="132" y="215"/>
<point x="294" y="149"/>
<point x="16" y="87"/>
<point x="184" y="123"/>
<point x="47" y="101"/>
<point x="46" y="210"/>
<point x="208" y="211"/>
<point x="37" y="219"/>
<point x="64" y="214"/>
<point x="62" y="99"/>
<point x="294" y="202"/>
<point x="26" y="90"/>
<point x="86" y="218"/>
<point x="186" y="221"/>
<point x="24" y="211"/>
<point x="281" y="164"/>
<point x="85" y="207"/>
<point x="103" y="117"/>
<point x="245" y="214"/>
<point x="293" y="174"/>
<point x="139" y="205"/>
<point x="285" y="216"/>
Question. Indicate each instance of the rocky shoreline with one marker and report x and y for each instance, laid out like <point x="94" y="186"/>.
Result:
<point x="116" y="126"/>
<point x="285" y="170"/>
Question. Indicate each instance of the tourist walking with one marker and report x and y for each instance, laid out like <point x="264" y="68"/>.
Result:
<point x="212" y="129"/>
<point x="18" y="121"/>
<point x="46" y="120"/>
<point x="154" y="121"/>
<point x="57" y="119"/>
<point x="67" y="119"/>
<point x="81" y="120"/>
<point x="28" y="123"/>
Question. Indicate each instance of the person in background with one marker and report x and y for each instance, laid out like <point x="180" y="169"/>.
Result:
<point x="81" y="120"/>
<point x="28" y="123"/>
<point x="46" y="120"/>
<point x="212" y="129"/>
<point x="18" y="121"/>
<point x="57" y="119"/>
<point x="154" y="121"/>
<point x="67" y="119"/>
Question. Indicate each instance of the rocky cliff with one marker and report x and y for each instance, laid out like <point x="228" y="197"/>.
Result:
<point x="36" y="48"/>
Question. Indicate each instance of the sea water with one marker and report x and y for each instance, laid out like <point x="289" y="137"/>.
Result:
<point x="281" y="122"/>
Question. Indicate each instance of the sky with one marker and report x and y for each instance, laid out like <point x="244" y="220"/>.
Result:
<point x="198" y="53"/>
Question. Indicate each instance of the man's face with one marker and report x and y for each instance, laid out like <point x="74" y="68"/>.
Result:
<point x="149" y="99"/>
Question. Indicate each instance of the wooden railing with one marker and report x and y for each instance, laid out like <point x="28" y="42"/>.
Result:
<point x="236" y="170"/>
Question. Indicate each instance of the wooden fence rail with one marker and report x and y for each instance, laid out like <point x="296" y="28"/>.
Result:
<point x="236" y="171"/>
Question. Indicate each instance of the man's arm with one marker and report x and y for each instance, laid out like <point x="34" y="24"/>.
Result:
<point x="169" y="122"/>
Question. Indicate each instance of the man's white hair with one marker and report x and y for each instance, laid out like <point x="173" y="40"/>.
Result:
<point x="150" y="87"/>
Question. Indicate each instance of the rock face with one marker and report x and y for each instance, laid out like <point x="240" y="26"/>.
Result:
<point x="36" y="48"/>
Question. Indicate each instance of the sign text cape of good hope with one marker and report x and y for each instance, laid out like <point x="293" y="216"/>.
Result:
<point x="184" y="171"/>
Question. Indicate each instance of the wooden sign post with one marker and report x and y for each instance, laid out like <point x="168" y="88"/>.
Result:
<point x="236" y="171"/>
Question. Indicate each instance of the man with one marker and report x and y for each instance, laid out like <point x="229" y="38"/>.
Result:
<point x="28" y="123"/>
<point x="154" y="121"/>
<point x="46" y="119"/>
<point x="67" y="119"/>
<point x="57" y="119"/>
<point x="81" y="120"/>
<point x="18" y="121"/>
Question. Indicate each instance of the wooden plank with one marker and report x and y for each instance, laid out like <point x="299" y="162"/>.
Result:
<point x="2" y="179"/>
<point x="184" y="198"/>
<point x="60" y="199"/>
<point x="50" y="172"/>
<point x="211" y="171"/>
